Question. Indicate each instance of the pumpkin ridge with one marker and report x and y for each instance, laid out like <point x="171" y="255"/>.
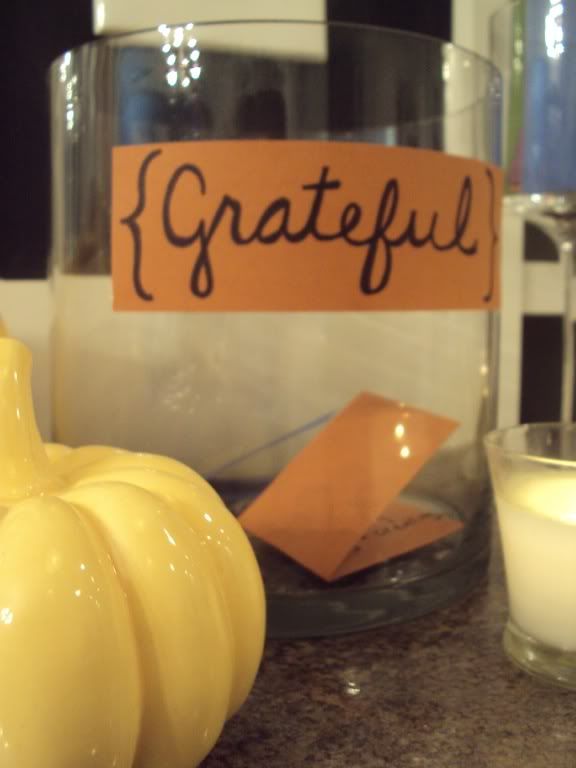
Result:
<point x="57" y="589"/>
<point x="174" y="612"/>
<point x="221" y="534"/>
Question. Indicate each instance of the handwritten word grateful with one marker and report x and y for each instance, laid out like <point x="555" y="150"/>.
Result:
<point x="377" y="236"/>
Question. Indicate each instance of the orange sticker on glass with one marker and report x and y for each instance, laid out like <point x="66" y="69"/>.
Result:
<point x="302" y="225"/>
<point x="335" y="508"/>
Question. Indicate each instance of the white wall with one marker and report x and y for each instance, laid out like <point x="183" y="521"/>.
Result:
<point x="111" y="16"/>
<point x="470" y="23"/>
<point x="26" y="309"/>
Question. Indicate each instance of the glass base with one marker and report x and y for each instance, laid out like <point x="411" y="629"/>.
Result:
<point x="548" y="664"/>
<point x="301" y="605"/>
<point x="371" y="599"/>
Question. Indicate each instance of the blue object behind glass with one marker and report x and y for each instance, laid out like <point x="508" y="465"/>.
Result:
<point x="549" y="151"/>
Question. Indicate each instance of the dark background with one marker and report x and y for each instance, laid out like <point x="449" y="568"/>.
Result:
<point x="36" y="32"/>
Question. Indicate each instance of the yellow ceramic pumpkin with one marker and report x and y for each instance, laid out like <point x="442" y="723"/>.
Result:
<point x="131" y="605"/>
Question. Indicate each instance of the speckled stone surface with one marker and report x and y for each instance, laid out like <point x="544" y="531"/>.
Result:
<point x="434" y="693"/>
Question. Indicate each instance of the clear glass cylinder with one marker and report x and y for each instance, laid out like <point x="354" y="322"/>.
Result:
<point x="236" y="395"/>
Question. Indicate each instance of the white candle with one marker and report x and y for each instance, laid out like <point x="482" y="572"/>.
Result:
<point x="538" y="527"/>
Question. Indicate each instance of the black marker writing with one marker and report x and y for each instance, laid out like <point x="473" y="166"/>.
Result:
<point x="390" y="228"/>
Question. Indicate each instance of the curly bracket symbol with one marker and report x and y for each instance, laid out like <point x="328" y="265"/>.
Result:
<point x="131" y="221"/>
<point x="490" y="293"/>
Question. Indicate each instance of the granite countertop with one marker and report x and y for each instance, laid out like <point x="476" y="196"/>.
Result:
<point x="436" y="693"/>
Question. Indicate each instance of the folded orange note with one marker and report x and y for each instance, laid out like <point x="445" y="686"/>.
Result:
<point x="323" y="509"/>
<point x="401" y="528"/>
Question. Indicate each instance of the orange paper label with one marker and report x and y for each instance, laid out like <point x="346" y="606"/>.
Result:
<point x="302" y="225"/>
<point x="331" y="506"/>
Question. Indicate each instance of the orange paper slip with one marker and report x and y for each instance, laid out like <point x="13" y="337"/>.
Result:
<point x="400" y="529"/>
<point x="318" y="509"/>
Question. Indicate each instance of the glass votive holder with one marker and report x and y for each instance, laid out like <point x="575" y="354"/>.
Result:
<point x="533" y="472"/>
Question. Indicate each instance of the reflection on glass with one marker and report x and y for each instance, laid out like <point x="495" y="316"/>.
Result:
<point x="182" y="55"/>
<point x="554" y="30"/>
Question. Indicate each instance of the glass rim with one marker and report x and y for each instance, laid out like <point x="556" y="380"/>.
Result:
<point x="118" y="37"/>
<point x="495" y="440"/>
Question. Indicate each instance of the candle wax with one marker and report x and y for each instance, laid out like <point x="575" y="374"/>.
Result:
<point x="537" y="517"/>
